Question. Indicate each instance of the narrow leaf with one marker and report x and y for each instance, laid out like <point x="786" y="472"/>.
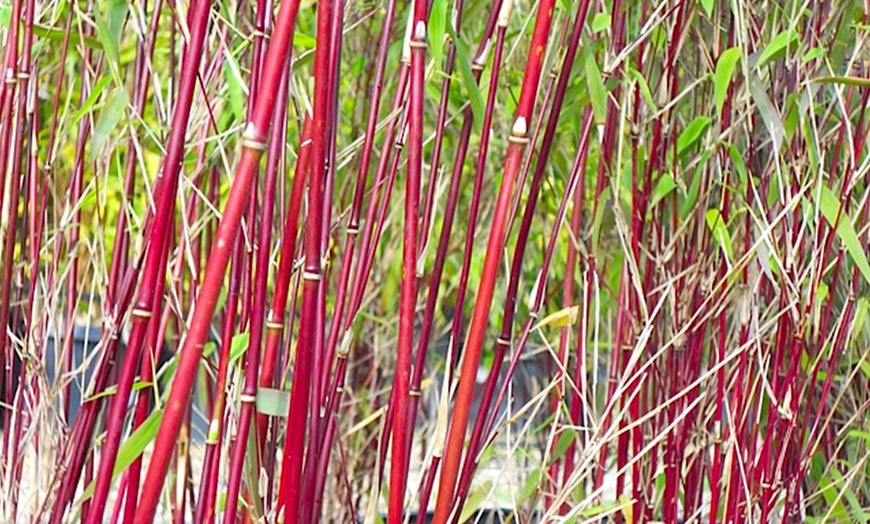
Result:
<point x="303" y="40"/>
<point x="645" y="91"/>
<point x="110" y="117"/>
<point x="437" y="30"/>
<point x="845" y="80"/>
<point x="829" y="205"/>
<point x="724" y="72"/>
<point x="131" y="449"/>
<point x="720" y="232"/>
<point x="563" y="317"/>
<point x="238" y="346"/>
<point x="597" y="91"/>
<point x="708" y="6"/>
<point x="94" y="95"/>
<point x="692" y="134"/>
<point x="600" y="22"/>
<point x="475" y="501"/>
<point x="665" y="186"/>
<point x="139" y="384"/>
<point x="465" y="74"/>
<point x="777" y="47"/>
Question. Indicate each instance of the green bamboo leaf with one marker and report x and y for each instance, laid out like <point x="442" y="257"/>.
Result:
<point x="598" y="219"/>
<point x="645" y="91"/>
<point x="566" y="438"/>
<point x="110" y="116"/>
<point x="692" y="134"/>
<point x="273" y="402"/>
<point x="597" y="91"/>
<point x="475" y="501"/>
<point x="235" y="85"/>
<point x="858" y="434"/>
<point x="857" y="513"/>
<point x="724" y="72"/>
<point x="109" y="391"/>
<point x="94" y="95"/>
<point x="5" y="15"/>
<point x="238" y="346"/>
<point x="777" y="47"/>
<point x="531" y="486"/>
<point x="437" y="30"/>
<point x="813" y="53"/>
<point x="829" y="205"/>
<point x="463" y="60"/>
<point x="110" y="30"/>
<point x="694" y="188"/>
<point x="57" y="35"/>
<point x="564" y="317"/>
<point x="769" y="113"/>
<point x="600" y="22"/>
<point x="862" y="307"/>
<point x="739" y="165"/>
<point x="720" y="232"/>
<point x="664" y="187"/>
<point x="708" y="6"/>
<point x="845" y="80"/>
<point x="131" y="449"/>
<point x="303" y="40"/>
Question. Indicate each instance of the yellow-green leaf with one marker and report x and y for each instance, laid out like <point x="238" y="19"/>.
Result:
<point x="692" y="134"/>
<point x="720" y="232"/>
<point x="777" y="47"/>
<point x="597" y="91"/>
<point x="463" y="60"/>
<point x="437" y="30"/>
<point x="724" y="72"/>
<point x="110" y="116"/>
<point x="845" y="80"/>
<point x="829" y="205"/>
<point x="131" y="449"/>
<point x="563" y="317"/>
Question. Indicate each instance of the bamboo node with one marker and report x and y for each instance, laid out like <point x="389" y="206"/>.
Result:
<point x="504" y="14"/>
<point x="519" y="131"/>
<point x="253" y="144"/>
<point x="142" y="313"/>
<point x="23" y="75"/>
<point x="311" y="275"/>
<point x="344" y="347"/>
<point x="520" y="127"/>
<point x="480" y="60"/>
<point x="213" y="430"/>
<point x="503" y="341"/>
<point x="419" y="40"/>
<point x="250" y="399"/>
<point x="251" y="139"/>
<point x="352" y="230"/>
<point x="273" y="325"/>
<point x="414" y="393"/>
